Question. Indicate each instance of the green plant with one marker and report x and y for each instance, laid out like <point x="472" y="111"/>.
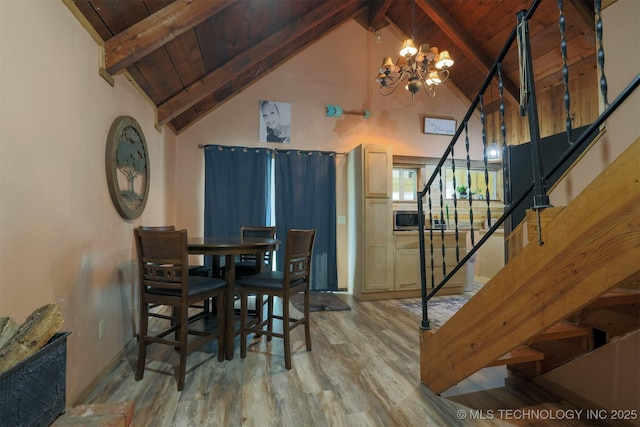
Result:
<point x="461" y="189"/>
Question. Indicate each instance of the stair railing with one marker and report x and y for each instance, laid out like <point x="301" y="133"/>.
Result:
<point x="528" y="106"/>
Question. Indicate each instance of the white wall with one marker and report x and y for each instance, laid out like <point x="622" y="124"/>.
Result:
<point x="61" y="239"/>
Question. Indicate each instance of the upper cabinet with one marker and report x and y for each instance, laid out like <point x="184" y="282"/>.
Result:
<point x="378" y="163"/>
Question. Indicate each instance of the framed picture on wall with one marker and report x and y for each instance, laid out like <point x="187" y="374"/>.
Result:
<point x="275" y="122"/>
<point x="439" y="126"/>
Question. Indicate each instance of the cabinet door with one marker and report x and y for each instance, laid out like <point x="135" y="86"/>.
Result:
<point x="378" y="261"/>
<point x="377" y="171"/>
<point x="407" y="269"/>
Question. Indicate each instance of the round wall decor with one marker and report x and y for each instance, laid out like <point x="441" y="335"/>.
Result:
<point x="127" y="164"/>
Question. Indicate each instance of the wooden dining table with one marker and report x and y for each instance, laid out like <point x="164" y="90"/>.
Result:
<point x="230" y="247"/>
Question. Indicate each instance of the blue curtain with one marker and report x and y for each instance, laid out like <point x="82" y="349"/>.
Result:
<point x="236" y="188"/>
<point x="305" y="197"/>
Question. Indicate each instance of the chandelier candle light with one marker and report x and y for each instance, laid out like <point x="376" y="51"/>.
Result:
<point x="422" y="68"/>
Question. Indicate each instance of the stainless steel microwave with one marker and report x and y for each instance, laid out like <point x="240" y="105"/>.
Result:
<point x="406" y="220"/>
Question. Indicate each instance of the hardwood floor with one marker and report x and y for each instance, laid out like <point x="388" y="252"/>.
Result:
<point x="363" y="371"/>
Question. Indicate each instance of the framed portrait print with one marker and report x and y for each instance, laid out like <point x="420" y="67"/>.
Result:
<point x="275" y="122"/>
<point x="439" y="126"/>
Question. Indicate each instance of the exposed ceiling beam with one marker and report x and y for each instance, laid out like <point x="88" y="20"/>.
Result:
<point x="220" y="76"/>
<point x="469" y="47"/>
<point x="155" y="31"/>
<point x="377" y="10"/>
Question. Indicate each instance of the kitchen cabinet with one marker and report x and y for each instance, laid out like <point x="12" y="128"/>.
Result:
<point x="377" y="167"/>
<point x="407" y="261"/>
<point x="370" y="221"/>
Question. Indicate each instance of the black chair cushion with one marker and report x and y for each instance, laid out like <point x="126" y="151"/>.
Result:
<point x="247" y="264"/>
<point x="197" y="285"/>
<point x="199" y="270"/>
<point x="267" y="280"/>
<point x="243" y="269"/>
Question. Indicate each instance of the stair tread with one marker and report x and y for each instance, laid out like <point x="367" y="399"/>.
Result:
<point x="520" y="354"/>
<point x="561" y="330"/>
<point x="617" y="296"/>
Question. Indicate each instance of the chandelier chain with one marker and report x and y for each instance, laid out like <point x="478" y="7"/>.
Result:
<point x="413" y="20"/>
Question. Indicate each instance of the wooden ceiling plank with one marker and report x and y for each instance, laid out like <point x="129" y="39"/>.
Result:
<point x="456" y="34"/>
<point x="377" y="10"/>
<point x="160" y="71"/>
<point x="236" y="30"/>
<point x="220" y="76"/>
<point x="492" y="30"/>
<point x="153" y="32"/>
<point x="465" y="43"/>
<point x="90" y="19"/>
<point x="258" y="25"/>
<point x="213" y="43"/>
<point x="578" y="12"/>
<point x="118" y="16"/>
<point x="186" y="58"/>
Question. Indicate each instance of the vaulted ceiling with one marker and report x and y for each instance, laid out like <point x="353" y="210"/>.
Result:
<point x="190" y="56"/>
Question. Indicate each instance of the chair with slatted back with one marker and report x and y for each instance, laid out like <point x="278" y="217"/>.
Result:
<point x="282" y="284"/>
<point x="163" y="265"/>
<point x="199" y="270"/>
<point x="194" y="270"/>
<point x="247" y="264"/>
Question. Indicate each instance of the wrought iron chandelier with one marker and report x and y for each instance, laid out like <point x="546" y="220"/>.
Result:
<point x="422" y="67"/>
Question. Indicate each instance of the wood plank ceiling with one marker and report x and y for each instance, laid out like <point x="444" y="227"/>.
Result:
<point x="190" y="56"/>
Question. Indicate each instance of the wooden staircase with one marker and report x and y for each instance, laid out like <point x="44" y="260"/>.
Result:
<point x="573" y="337"/>
<point x="552" y="295"/>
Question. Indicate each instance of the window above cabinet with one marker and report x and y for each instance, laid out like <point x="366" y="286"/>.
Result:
<point x="405" y="183"/>
<point x="410" y="174"/>
<point x="473" y="183"/>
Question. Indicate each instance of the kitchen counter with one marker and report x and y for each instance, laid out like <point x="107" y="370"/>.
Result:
<point x="407" y="260"/>
<point x="461" y="232"/>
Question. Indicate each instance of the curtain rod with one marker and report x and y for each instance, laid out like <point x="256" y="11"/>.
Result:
<point x="277" y="149"/>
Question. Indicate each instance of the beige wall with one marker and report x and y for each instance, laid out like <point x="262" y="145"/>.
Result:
<point x="322" y="74"/>
<point x="612" y="382"/>
<point x="61" y="239"/>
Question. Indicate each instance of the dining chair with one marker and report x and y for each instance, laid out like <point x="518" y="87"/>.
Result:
<point x="163" y="268"/>
<point x="248" y="263"/>
<point x="293" y="279"/>
<point x="194" y="270"/>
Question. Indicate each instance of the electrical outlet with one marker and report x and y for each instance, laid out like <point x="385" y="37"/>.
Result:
<point x="101" y="327"/>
